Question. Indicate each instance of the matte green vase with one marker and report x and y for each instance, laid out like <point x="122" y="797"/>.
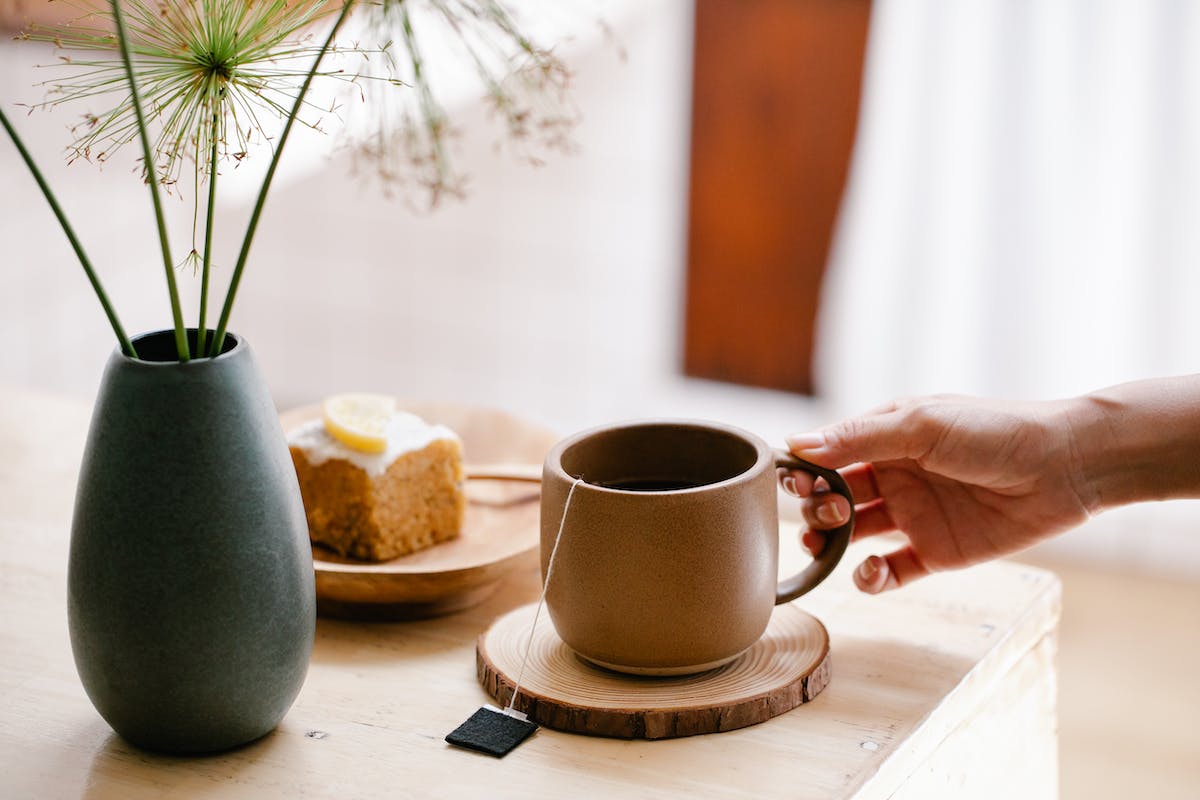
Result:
<point x="190" y="585"/>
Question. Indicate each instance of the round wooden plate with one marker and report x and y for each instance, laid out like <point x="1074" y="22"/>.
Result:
<point x="500" y="529"/>
<point x="788" y="666"/>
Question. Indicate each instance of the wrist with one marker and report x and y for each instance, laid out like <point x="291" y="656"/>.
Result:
<point x="1099" y="473"/>
<point x="1136" y="442"/>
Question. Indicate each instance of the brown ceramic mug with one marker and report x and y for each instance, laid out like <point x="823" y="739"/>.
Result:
<point x="668" y="559"/>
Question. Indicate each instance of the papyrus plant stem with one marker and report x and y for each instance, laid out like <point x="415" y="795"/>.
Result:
<point x="126" y="345"/>
<point x="201" y="330"/>
<point x="181" y="342"/>
<point x="252" y="226"/>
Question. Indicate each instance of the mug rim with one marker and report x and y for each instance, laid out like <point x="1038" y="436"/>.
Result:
<point x="553" y="463"/>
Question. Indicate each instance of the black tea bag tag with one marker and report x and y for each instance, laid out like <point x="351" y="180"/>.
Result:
<point x="492" y="731"/>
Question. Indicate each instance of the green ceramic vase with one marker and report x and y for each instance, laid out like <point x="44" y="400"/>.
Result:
<point x="191" y="603"/>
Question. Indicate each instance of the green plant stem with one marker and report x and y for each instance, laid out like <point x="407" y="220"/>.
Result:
<point x="126" y="345"/>
<point x="201" y="330"/>
<point x="181" y="342"/>
<point x="234" y="281"/>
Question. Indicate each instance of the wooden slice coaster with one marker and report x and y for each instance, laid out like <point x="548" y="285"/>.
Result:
<point x="788" y="666"/>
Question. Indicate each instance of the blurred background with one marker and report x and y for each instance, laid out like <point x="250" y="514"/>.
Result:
<point x="780" y="212"/>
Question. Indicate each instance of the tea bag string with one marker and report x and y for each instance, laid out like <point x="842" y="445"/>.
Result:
<point x="562" y="524"/>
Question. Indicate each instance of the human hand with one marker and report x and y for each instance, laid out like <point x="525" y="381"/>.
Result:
<point x="964" y="479"/>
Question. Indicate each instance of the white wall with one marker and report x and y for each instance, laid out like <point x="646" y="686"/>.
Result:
<point x="553" y="292"/>
<point x="54" y="333"/>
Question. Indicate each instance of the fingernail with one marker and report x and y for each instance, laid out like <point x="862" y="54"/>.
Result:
<point x="805" y="442"/>
<point x="873" y="576"/>
<point x="789" y="486"/>
<point x="868" y="569"/>
<point x="829" y="513"/>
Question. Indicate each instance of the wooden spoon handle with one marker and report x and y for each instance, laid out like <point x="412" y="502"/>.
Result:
<point x="524" y="473"/>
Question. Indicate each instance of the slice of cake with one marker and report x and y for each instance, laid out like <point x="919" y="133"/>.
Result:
<point x="397" y="490"/>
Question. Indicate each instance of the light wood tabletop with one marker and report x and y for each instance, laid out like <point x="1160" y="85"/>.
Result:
<point x="943" y="689"/>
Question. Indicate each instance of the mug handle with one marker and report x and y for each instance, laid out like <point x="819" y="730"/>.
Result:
<point x="836" y="540"/>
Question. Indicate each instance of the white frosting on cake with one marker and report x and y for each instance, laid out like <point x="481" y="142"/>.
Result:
<point x="405" y="433"/>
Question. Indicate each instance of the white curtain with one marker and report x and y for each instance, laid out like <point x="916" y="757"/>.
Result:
<point x="1023" y="214"/>
<point x="1023" y="219"/>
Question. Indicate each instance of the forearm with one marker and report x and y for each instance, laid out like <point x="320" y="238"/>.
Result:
<point x="1137" y="441"/>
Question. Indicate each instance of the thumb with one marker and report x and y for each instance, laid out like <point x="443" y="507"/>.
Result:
<point x="877" y="437"/>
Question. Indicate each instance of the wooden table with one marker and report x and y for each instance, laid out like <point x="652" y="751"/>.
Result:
<point x="943" y="689"/>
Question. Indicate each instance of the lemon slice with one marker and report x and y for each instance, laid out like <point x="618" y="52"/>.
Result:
<point x="359" y="421"/>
